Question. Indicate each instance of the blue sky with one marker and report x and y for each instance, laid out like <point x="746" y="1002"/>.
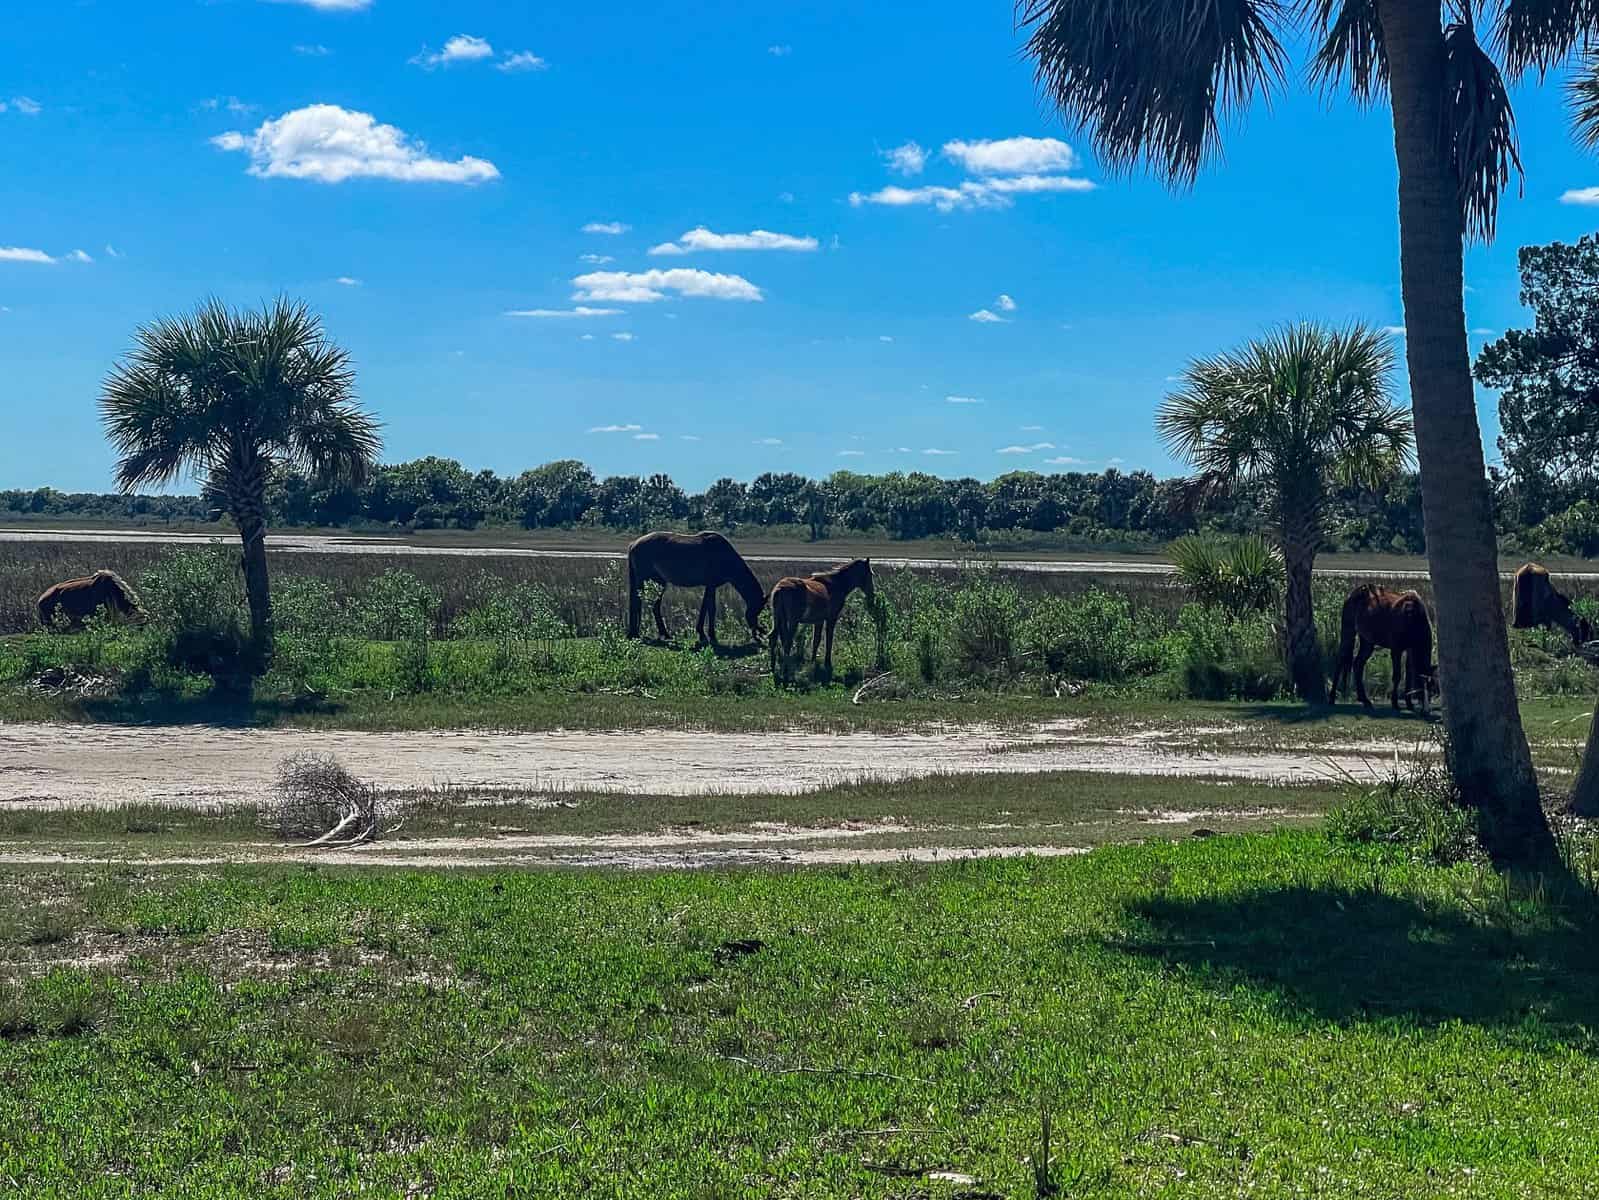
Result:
<point x="419" y="171"/>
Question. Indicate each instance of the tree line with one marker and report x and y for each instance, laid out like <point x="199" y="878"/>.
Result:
<point x="1110" y="508"/>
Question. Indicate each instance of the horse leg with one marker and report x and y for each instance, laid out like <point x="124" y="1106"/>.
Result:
<point x="1393" y="692"/>
<point x="710" y="617"/>
<point x="1362" y="656"/>
<point x="829" y="659"/>
<point x="699" y="622"/>
<point x="816" y="641"/>
<point x="660" y="621"/>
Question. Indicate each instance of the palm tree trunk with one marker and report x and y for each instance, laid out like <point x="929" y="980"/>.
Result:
<point x="1585" y="794"/>
<point x="247" y="501"/>
<point x="1489" y="758"/>
<point x="1300" y="645"/>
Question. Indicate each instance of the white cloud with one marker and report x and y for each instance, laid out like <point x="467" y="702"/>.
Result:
<point x="786" y="197"/>
<point x="463" y="47"/>
<point x="941" y="453"/>
<point x="1005" y="303"/>
<point x="1114" y="462"/>
<point x="610" y="228"/>
<point x="972" y="193"/>
<point x="962" y="400"/>
<point x="331" y="144"/>
<point x="1066" y="460"/>
<point x="1032" y="429"/>
<point x="1012" y="156"/>
<point x="1483" y="332"/>
<point x="79" y="256"/>
<point x="24" y="254"/>
<point x="1033" y="449"/>
<point x="1394" y="330"/>
<point x="232" y="103"/>
<point x="522" y="60"/>
<point x="983" y="317"/>
<point x="643" y="287"/>
<point x="330" y="5"/>
<point x="768" y="441"/>
<point x="883" y="337"/>
<point x="597" y="260"/>
<point x="907" y="159"/>
<point x="782" y="51"/>
<point x="348" y="281"/>
<point x="1581" y="196"/>
<point x="588" y="337"/>
<point x="616" y="428"/>
<point x="757" y="239"/>
<point x="112" y="252"/>
<point x="25" y="106"/>
<point x="622" y="337"/>
<point x="852" y="454"/>
<point x="563" y="314"/>
<point x="312" y="50"/>
<point x="646" y="437"/>
<point x="688" y="437"/>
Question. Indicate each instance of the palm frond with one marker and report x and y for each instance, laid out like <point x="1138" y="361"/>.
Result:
<point x="1481" y="128"/>
<point x="1582" y="93"/>
<point x="1152" y="79"/>
<point x="1351" y="50"/>
<point x="1534" y="35"/>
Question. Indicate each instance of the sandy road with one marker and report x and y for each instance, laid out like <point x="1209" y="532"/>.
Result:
<point x="193" y="766"/>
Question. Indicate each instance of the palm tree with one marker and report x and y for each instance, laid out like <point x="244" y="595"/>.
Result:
<point x="230" y="396"/>
<point x="1296" y="413"/>
<point x="1153" y="80"/>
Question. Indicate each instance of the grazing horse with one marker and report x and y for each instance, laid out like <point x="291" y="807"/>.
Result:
<point x="1398" y="622"/>
<point x="705" y="560"/>
<point x="1534" y="601"/>
<point x="78" y="599"/>
<point x="816" y="601"/>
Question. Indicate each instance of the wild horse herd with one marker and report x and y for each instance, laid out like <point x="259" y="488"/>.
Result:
<point x="1373" y="617"/>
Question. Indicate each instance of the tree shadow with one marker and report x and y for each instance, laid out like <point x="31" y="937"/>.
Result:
<point x="1319" y="714"/>
<point x="1332" y="953"/>
<point x="744" y="650"/>
<point x="221" y="709"/>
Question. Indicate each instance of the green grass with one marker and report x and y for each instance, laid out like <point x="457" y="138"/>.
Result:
<point x="1269" y="1016"/>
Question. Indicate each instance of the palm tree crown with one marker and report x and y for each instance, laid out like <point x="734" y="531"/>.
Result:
<point x="219" y="392"/>
<point x="1298" y="409"/>
<point x="1153" y="79"/>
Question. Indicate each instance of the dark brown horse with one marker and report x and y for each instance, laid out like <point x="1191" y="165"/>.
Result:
<point x="1397" y="622"/>
<point x="76" y="599"/>
<point x="1534" y="601"/>
<point x="700" y="560"/>
<point x="817" y="601"/>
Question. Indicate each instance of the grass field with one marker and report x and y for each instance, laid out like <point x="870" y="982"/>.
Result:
<point x="1266" y="1015"/>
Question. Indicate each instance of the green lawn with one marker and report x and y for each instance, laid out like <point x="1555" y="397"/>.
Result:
<point x="1267" y="1015"/>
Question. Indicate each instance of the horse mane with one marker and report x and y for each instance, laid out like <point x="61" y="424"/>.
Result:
<point x="743" y="579"/>
<point x="129" y="596"/>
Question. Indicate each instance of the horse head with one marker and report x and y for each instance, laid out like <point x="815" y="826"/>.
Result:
<point x="752" y="613"/>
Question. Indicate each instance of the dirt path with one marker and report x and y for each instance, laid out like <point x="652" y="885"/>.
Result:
<point x="194" y="766"/>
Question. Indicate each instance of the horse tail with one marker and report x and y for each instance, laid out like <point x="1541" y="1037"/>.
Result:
<point x="635" y="596"/>
<point x="1523" y="600"/>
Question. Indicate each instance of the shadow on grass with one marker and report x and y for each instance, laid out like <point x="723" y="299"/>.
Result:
<point x="1341" y="954"/>
<point x="229" y="710"/>
<point x="1317" y="714"/>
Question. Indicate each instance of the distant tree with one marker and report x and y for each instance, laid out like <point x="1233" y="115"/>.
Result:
<point x="556" y="494"/>
<point x="1549" y="380"/>
<point x="724" y="503"/>
<point x="619" y="501"/>
<point x="1293" y="414"/>
<point x="777" y="499"/>
<point x="231" y="396"/>
<point x="818" y="506"/>
<point x="663" y="500"/>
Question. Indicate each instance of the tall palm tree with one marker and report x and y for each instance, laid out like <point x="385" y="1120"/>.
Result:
<point x="1152" y="80"/>
<point x="1295" y="413"/>
<point x="228" y="396"/>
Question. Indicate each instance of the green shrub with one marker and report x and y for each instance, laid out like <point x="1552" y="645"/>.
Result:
<point x="1239" y="573"/>
<point x="307" y="619"/>
<point x="1417" y="809"/>
<point x="397" y="606"/>
<point x="200" y="618"/>
<point x="1092" y="636"/>
<point x="1221" y="655"/>
<point x="985" y="626"/>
